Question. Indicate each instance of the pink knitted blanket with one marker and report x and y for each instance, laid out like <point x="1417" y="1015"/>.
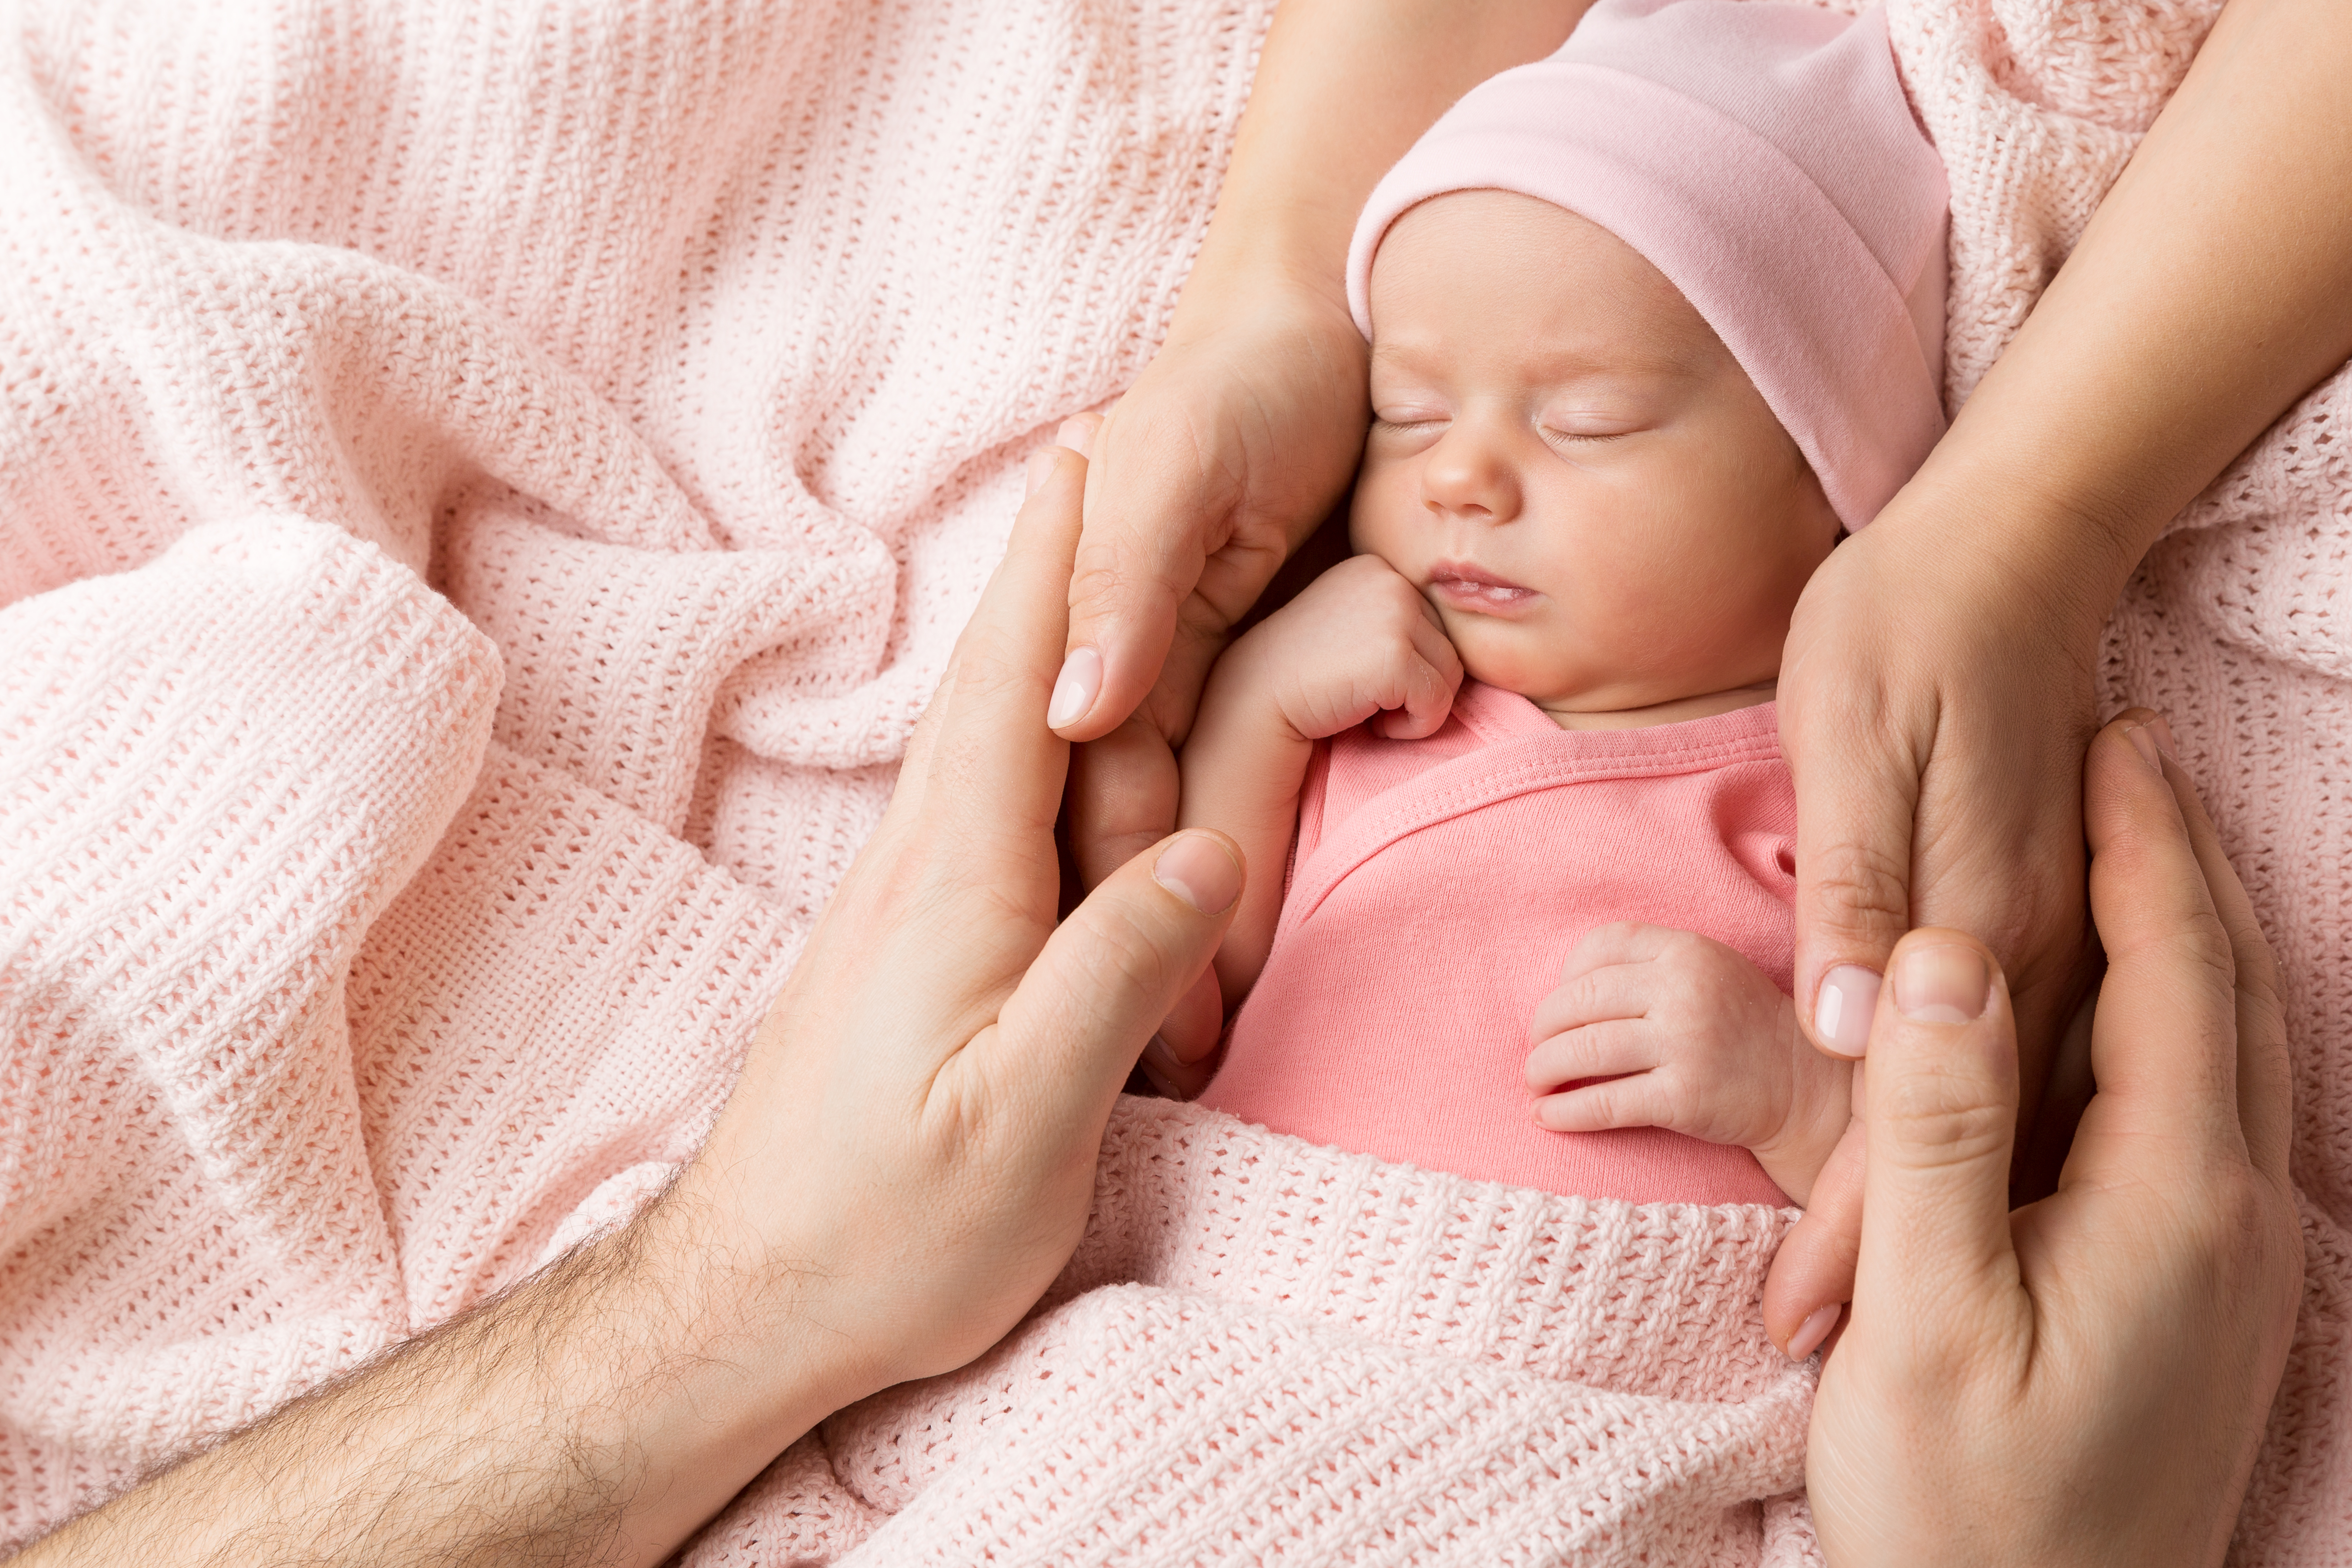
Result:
<point x="483" y="494"/>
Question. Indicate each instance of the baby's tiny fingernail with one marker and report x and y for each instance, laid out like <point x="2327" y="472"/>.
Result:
<point x="2143" y="739"/>
<point x="1077" y="433"/>
<point x="2164" y="741"/>
<point x="1813" y="1331"/>
<point x="1843" y="1008"/>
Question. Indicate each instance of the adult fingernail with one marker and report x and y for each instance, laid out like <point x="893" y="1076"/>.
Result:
<point x="1197" y="869"/>
<point x="1949" y="985"/>
<point x="2143" y="739"/>
<point x="1075" y="688"/>
<point x="1041" y="468"/>
<point x="1077" y="433"/>
<point x="1813" y="1331"/>
<point x="1841" y="1008"/>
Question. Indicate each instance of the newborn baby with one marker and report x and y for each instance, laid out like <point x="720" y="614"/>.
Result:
<point x="1651" y="323"/>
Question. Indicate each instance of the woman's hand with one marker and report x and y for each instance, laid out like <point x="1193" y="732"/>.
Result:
<point x="1222" y="458"/>
<point x="1938" y="681"/>
<point x="2086" y="1378"/>
<point x="1205" y="475"/>
<point x="1935" y="705"/>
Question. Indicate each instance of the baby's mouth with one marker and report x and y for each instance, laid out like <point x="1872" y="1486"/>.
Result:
<point x="1474" y="588"/>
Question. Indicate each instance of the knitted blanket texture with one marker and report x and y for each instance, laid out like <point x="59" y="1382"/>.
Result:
<point x="485" y="490"/>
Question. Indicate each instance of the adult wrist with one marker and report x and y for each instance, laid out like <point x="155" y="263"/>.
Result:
<point x="2004" y="538"/>
<point x="1249" y="267"/>
<point x="752" y="1305"/>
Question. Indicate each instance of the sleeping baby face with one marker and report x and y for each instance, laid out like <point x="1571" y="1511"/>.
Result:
<point x="1566" y="460"/>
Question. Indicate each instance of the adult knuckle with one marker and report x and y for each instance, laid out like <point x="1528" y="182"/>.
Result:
<point x="989" y="667"/>
<point x="2191" y="959"/>
<point x="1940" y="1119"/>
<point x="2241" y="1217"/>
<point x="1129" y="961"/>
<point x="1861" y="886"/>
<point x="1112" y="571"/>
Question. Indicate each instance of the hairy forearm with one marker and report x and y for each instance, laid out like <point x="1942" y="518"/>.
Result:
<point x="1343" y="87"/>
<point x="596" y="1414"/>
<point x="2212" y="289"/>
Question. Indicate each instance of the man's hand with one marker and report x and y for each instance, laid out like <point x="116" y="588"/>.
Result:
<point x="904" y="1166"/>
<point x="915" y="1133"/>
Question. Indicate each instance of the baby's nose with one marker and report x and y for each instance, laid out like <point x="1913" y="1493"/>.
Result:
<point x="1469" y="474"/>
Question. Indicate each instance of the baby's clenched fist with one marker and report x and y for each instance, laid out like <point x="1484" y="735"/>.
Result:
<point x="1358" y="641"/>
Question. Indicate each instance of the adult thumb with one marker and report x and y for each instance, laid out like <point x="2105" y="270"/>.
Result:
<point x="1071" y="1031"/>
<point x="1939" y="1119"/>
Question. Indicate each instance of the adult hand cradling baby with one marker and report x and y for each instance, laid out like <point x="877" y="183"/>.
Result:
<point x="903" y="1167"/>
<point x="1977" y="1333"/>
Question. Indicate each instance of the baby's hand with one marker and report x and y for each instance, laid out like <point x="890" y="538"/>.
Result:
<point x="1706" y="1046"/>
<point x="1358" y="641"/>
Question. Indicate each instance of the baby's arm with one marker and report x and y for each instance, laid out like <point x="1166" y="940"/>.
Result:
<point x="1359" y="640"/>
<point x="1709" y="1046"/>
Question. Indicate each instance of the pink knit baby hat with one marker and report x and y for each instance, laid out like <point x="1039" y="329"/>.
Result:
<point x="1762" y="157"/>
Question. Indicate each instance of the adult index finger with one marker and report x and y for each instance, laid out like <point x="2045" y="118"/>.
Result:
<point x="2164" y="1039"/>
<point x="2265" y="1096"/>
<point x="986" y="770"/>
<point x="907" y="798"/>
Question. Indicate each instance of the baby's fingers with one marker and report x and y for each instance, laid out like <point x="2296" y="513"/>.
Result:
<point x="1598" y="996"/>
<point x="1639" y="1100"/>
<point x="1595" y="1050"/>
<point x="1433" y="675"/>
<point x="1618" y="942"/>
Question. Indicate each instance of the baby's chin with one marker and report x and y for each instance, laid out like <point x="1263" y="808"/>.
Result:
<point x="1511" y="657"/>
<point x="1597" y="692"/>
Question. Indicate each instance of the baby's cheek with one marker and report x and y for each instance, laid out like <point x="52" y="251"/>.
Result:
<point x="1379" y="518"/>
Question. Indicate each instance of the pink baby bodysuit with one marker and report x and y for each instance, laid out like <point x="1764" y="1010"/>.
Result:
<point x="1435" y="889"/>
